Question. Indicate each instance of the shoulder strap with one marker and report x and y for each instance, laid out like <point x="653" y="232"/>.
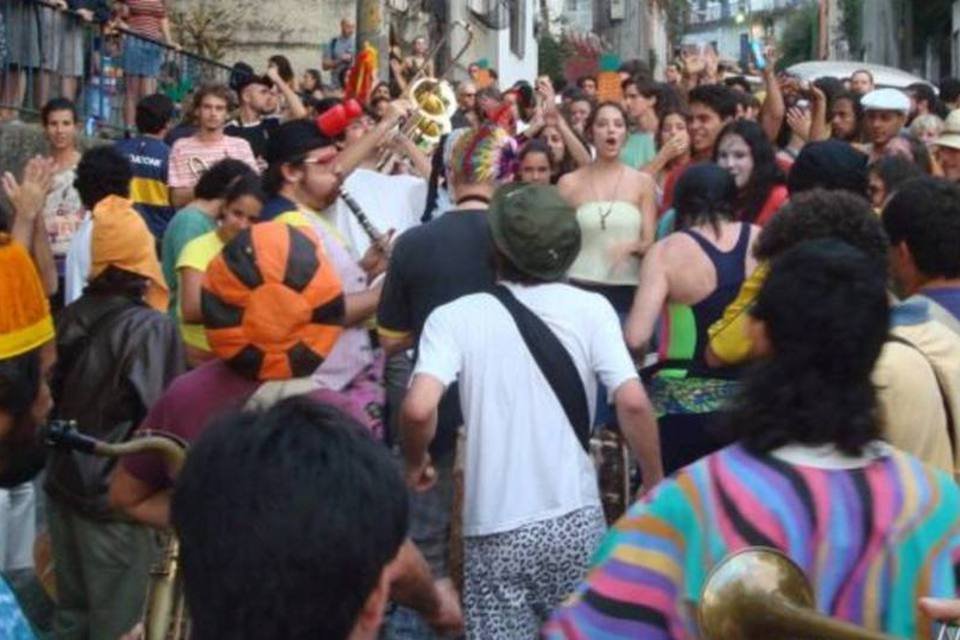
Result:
<point x="554" y="361"/>
<point x="944" y="394"/>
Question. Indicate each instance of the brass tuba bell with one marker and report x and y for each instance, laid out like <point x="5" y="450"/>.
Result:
<point x="760" y="593"/>
<point x="436" y="103"/>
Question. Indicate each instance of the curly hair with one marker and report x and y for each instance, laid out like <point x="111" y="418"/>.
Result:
<point x="825" y="311"/>
<point x="819" y="214"/>
<point x="765" y="175"/>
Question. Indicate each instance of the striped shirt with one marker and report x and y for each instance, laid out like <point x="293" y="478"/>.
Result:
<point x="871" y="539"/>
<point x="146" y="17"/>
<point x="190" y="157"/>
<point x="148" y="158"/>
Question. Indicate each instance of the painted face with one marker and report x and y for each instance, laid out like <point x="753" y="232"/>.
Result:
<point x="579" y="112"/>
<point x="704" y="126"/>
<point x="734" y="155"/>
<point x="61" y="130"/>
<point x="551" y="135"/>
<point x="843" y="120"/>
<point x="535" y="169"/>
<point x="609" y="132"/>
<point x="238" y="215"/>
<point x="882" y="126"/>
<point x="213" y="113"/>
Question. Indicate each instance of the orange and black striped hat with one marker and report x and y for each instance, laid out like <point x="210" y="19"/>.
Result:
<point x="272" y="303"/>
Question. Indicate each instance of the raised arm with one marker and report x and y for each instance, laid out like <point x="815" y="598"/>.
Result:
<point x="774" y="108"/>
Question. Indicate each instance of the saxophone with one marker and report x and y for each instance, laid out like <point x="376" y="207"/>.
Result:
<point x="165" y="613"/>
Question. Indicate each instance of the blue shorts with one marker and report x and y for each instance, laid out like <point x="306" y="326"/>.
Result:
<point x="141" y="57"/>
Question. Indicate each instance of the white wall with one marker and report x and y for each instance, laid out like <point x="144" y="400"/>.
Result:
<point x="494" y="45"/>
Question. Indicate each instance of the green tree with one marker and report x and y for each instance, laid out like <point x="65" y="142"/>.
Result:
<point x="553" y="55"/>
<point x="799" y="39"/>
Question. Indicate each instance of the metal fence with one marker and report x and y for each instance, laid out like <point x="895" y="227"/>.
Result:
<point x="48" y="52"/>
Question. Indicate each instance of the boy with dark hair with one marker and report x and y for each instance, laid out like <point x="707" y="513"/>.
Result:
<point x="640" y="99"/>
<point x="950" y="93"/>
<point x="712" y="107"/>
<point x="320" y="572"/>
<point x="149" y="156"/>
<point x="924" y="240"/>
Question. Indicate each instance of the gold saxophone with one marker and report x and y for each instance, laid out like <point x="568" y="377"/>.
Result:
<point x="165" y="612"/>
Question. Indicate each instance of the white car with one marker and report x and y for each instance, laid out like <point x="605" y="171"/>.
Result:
<point x="842" y="70"/>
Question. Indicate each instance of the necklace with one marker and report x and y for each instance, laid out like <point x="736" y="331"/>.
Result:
<point x="604" y="214"/>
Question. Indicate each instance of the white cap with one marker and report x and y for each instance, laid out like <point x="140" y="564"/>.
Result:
<point x="886" y="100"/>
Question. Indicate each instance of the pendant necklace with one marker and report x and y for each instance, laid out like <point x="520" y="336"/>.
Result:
<point x="606" y="214"/>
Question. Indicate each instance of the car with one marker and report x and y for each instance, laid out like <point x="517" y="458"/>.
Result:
<point x="842" y="70"/>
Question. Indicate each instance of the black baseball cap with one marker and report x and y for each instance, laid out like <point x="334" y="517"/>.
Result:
<point x="242" y="76"/>
<point x="294" y="139"/>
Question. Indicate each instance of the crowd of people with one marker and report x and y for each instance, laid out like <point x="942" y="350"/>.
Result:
<point x="389" y="362"/>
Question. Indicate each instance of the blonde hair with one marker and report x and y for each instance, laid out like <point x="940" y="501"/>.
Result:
<point x="927" y="122"/>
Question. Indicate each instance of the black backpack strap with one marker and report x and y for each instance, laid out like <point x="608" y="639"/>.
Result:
<point x="554" y="361"/>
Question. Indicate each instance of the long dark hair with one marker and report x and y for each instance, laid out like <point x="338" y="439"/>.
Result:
<point x="704" y="195"/>
<point x="825" y="311"/>
<point x="765" y="175"/>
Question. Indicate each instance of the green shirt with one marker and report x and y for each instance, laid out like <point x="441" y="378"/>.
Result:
<point x="187" y="224"/>
<point x="639" y="150"/>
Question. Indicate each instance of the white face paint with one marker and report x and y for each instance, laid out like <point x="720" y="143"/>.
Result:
<point x="734" y="155"/>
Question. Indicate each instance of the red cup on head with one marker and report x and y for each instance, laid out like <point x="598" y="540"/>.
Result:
<point x="334" y="120"/>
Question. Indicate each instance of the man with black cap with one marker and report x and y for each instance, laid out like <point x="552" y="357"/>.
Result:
<point x="256" y="119"/>
<point x="149" y="156"/>
<point x="528" y="354"/>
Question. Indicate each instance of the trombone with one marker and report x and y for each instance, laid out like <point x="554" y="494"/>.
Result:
<point x="758" y="593"/>
<point x="165" y="612"/>
<point x="433" y="98"/>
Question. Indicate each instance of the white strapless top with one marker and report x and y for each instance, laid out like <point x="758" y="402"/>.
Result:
<point x="605" y="227"/>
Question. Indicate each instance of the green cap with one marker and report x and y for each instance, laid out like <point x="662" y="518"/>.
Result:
<point x="535" y="228"/>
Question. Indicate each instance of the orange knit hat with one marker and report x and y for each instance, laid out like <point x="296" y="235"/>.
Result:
<point x="25" y="321"/>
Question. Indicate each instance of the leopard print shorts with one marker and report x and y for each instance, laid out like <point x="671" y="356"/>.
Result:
<point x="514" y="580"/>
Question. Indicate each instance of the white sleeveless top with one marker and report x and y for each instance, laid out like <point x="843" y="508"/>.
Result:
<point x="603" y="226"/>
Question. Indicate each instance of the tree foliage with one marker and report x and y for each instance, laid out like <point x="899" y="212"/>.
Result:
<point x="799" y="39"/>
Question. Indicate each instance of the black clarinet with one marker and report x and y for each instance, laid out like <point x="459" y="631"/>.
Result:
<point x="376" y="237"/>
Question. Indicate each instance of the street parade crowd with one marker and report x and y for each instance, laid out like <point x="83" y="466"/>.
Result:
<point x="411" y="360"/>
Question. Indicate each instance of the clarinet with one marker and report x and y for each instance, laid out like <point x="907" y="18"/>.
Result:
<point x="376" y="237"/>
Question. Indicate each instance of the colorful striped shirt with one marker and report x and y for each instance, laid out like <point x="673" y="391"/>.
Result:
<point x="148" y="158"/>
<point x="146" y="17"/>
<point x="871" y="539"/>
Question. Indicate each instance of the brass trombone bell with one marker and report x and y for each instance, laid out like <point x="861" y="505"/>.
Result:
<point x="759" y="593"/>
<point x="435" y="105"/>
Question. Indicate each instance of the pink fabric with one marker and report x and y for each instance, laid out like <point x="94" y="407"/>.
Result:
<point x="207" y="154"/>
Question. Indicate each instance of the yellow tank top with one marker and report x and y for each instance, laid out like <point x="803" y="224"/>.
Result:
<point x="604" y="228"/>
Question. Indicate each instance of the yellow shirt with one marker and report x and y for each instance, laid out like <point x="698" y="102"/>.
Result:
<point x="197" y="254"/>
<point x="728" y="335"/>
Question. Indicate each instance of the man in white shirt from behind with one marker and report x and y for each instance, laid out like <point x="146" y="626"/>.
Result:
<point x="532" y="516"/>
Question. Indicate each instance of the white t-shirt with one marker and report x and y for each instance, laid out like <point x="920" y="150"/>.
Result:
<point x="523" y="461"/>
<point x="391" y="202"/>
<point x="79" y="259"/>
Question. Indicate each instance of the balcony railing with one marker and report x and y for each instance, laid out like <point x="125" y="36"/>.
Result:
<point x="48" y="52"/>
